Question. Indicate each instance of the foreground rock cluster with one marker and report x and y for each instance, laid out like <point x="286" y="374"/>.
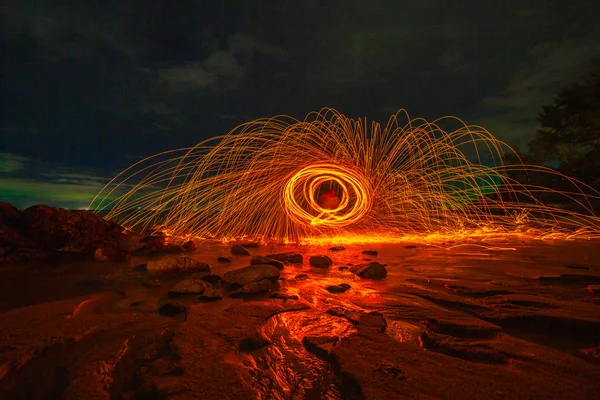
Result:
<point x="44" y="233"/>
<point x="48" y="233"/>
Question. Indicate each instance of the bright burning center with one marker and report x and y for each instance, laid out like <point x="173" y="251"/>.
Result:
<point x="326" y="195"/>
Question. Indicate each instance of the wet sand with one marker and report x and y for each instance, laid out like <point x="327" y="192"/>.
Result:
<point x="448" y="322"/>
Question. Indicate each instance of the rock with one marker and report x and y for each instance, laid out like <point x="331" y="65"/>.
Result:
<point x="283" y="297"/>
<point x="320" y="346"/>
<point x="372" y="270"/>
<point x="189" y="286"/>
<point x="224" y="259"/>
<point x="337" y="248"/>
<point x="108" y="254"/>
<point x="206" y="276"/>
<point x="343" y="268"/>
<point x="341" y="288"/>
<point x="250" y="244"/>
<point x="239" y="250"/>
<point x="256" y="260"/>
<point x="49" y="232"/>
<point x="369" y="252"/>
<point x="179" y="264"/>
<point x="410" y="246"/>
<point x="11" y="234"/>
<point x="151" y="245"/>
<point x="189" y="246"/>
<point x="151" y="283"/>
<point x="253" y="343"/>
<point x="594" y="289"/>
<point x="301" y="277"/>
<point x="373" y="320"/>
<point x="320" y="261"/>
<point x="140" y="268"/>
<point x="291" y="258"/>
<point x="210" y="295"/>
<point x="254" y="287"/>
<point x="253" y="273"/>
<point x="173" y="308"/>
<point x="173" y="248"/>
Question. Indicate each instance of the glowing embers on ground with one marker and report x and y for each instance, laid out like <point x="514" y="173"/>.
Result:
<point x="333" y="178"/>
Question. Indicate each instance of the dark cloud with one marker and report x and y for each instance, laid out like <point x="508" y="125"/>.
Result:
<point x="88" y="86"/>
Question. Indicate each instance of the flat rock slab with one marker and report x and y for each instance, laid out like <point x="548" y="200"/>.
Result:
<point x="320" y="261"/>
<point x="257" y="260"/>
<point x="291" y="258"/>
<point x="372" y="270"/>
<point x="175" y="264"/>
<point x="189" y="286"/>
<point x="239" y="250"/>
<point x="252" y="273"/>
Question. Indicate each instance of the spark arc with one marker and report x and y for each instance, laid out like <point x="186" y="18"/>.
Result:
<point x="333" y="179"/>
<point x="303" y="208"/>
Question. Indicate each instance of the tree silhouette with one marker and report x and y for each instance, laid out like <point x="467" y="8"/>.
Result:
<point x="569" y="135"/>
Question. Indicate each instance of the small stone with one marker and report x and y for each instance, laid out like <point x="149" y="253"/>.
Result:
<point x="410" y="246"/>
<point x="301" y="277"/>
<point x="140" y="268"/>
<point x="253" y="273"/>
<point x="253" y="343"/>
<point x="239" y="250"/>
<point x="320" y="261"/>
<point x="337" y="248"/>
<point x="372" y="270"/>
<point x="173" y="308"/>
<point x="255" y="287"/>
<point x="179" y="264"/>
<point x="256" y="260"/>
<point x="189" y="286"/>
<point x="370" y="252"/>
<point x="224" y="259"/>
<point x="189" y="246"/>
<point x="338" y="288"/>
<point x="283" y="297"/>
<point x="173" y="248"/>
<point x="108" y="254"/>
<point x="291" y="257"/>
<point x="151" y="283"/>
<point x="210" y="295"/>
<point x="249" y="245"/>
<point x="343" y="268"/>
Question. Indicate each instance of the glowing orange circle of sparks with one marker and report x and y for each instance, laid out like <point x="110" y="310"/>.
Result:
<point x="302" y="207"/>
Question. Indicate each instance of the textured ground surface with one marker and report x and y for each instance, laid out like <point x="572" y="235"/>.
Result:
<point x="447" y="322"/>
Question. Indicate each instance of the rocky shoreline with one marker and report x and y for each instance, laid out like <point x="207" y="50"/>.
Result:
<point x="244" y="321"/>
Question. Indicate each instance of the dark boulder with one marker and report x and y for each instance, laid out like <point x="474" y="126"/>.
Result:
<point x="291" y="258"/>
<point x="257" y="260"/>
<point x="239" y="250"/>
<point x="372" y="270"/>
<point x="173" y="308"/>
<point x="320" y="261"/>
<point x="253" y="273"/>
<point x="370" y="252"/>
<point x="189" y="286"/>
<point x="179" y="264"/>
<point x="341" y="288"/>
<point x="224" y="259"/>
<point x="262" y="286"/>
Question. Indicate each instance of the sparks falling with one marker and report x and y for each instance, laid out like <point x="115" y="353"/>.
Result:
<point x="333" y="179"/>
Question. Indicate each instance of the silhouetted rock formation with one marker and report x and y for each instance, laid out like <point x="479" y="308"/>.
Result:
<point x="42" y="232"/>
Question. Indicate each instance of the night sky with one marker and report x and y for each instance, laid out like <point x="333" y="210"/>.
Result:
<point x="88" y="90"/>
